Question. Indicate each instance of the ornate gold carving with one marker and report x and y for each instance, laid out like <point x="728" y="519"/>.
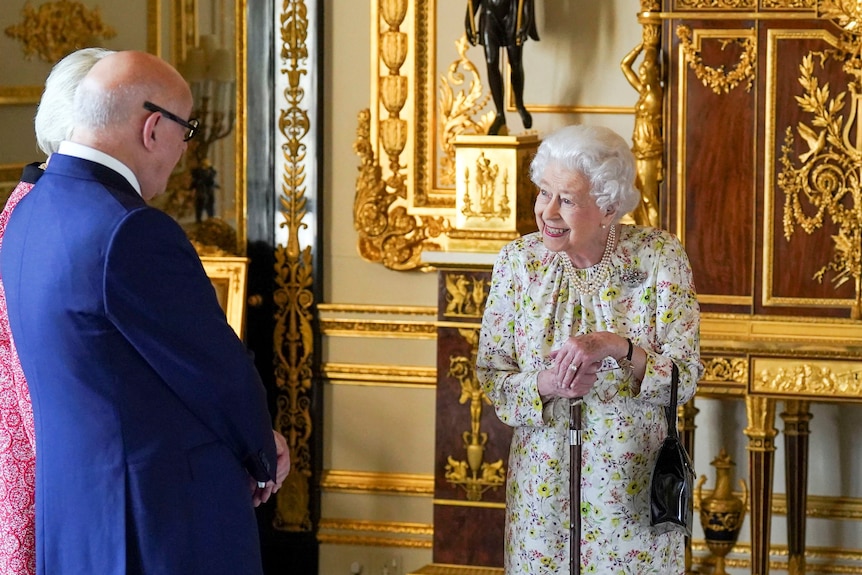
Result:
<point x="823" y="379"/>
<point x="733" y="369"/>
<point x="761" y="430"/>
<point x="464" y="295"/>
<point x="370" y="482"/>
<point x="355" y="532"/>
<point x="715" y="4"/>
<point x="490" y="190"/>
<point x="388" y="233"/>
<point x="647" y="140"/>
<point x="846" y="13"/>
<point x="378" y="328"/>
<point x="827" y="179"/>
<point x="475" y="475"/>
<point x="789" y="4"/>
<point x="458" y="109"/>
<point x="293" y="340"/>
<point x="717" y="79"/>
<point x="55" y="29"/>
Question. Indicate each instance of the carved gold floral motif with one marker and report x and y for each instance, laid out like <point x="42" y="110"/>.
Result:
<point x="388" y="234"/>
<point x="457" y="109"/>
<point x="55" y="29"/>
<point x="475" y="475"/>
<point x="733" y="369"/>
<point x="824" y="180"/>
<point x="293" y="296"/>
<point x="717" y="79"/>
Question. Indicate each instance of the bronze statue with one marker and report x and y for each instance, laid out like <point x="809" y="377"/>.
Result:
<point x="503" y="24"/>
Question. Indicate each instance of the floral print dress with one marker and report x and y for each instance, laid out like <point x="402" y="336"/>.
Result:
<point x="532" y="309"/>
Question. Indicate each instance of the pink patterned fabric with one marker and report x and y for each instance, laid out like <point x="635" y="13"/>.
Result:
<point x="17" y="442"/>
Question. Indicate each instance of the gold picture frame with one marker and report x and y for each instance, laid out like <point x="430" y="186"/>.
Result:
<point x="228" y="276"/>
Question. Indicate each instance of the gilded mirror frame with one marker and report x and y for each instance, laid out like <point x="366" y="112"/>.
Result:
<point x="171" y="29"/>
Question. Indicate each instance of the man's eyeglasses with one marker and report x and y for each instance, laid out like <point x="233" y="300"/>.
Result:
<point x="191" y="126"/>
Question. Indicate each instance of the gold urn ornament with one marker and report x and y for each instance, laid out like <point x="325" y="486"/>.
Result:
<point x="722" y="513"/>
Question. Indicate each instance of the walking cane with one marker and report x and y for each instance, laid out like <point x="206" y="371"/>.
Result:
<point x="575" y="439"/>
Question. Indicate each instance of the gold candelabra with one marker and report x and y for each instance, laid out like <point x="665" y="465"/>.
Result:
<point x="211" y="76"/>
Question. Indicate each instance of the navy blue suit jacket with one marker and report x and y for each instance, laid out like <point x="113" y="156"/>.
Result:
<point x="148" y="410"/>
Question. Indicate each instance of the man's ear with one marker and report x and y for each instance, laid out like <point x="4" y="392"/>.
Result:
<point x="148" y="132"/>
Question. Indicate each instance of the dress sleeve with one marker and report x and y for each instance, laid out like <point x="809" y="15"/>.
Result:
<point x="513" y="391"/>
<point x="677" y="326"/>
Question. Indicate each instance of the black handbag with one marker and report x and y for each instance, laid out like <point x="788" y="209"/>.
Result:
<point x="672" y="481"/>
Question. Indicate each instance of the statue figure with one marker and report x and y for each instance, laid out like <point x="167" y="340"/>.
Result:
<point x="503" y="24"/>
<point x="647" y="138"/>
<point x="204" y="184"/>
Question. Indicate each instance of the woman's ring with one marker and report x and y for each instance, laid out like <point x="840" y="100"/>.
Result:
<point x="573" y="368"/>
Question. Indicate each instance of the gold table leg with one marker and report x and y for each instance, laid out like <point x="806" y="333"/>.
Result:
<point x="761" y="434"/>
<point x="796" y="432"/>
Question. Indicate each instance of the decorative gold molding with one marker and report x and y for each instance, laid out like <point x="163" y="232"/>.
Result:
<point x="717" y="79"/>
<point x="715" y="4"/>
<point x="20" y="95"/>
<point x="380" y="483"/>
<point x="293" y="336"/>
<point x="377" y="309"/>
<point x="824" y="336"/>
<point x="55" y="29"/>
<point x="409" y="535"/>
<point x="813" y="378"/>
<point x="822" y="180"/>
<point x="372" y="374"/>
<point x="789" y="4"/>
<point x="228" y="275"/>
<point x="378" y="328"/>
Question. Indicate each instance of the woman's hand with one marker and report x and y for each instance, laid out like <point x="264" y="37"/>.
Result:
<point x="577" y="362"/>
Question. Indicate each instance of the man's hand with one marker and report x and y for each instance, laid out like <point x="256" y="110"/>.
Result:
<point x="282" y="468"/>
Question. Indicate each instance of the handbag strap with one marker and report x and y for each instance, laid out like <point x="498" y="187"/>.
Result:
<point x="670" y="409"/>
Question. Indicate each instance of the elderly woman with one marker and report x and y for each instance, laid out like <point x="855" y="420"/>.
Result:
<point x="587" y="307"/>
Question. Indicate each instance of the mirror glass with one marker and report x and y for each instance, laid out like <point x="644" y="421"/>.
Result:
<point x="199" y="37"/>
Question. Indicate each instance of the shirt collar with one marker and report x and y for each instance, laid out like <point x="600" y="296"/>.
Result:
<point x="87" y="153"/>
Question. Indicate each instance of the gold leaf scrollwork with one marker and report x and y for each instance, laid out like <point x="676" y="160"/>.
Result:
<point x="55" y="29"/>
<point x="293" y="296"/>
<point x="388" y="234"/>
<point x="457" y="109"/>
<point x="726" y="369"/>
<point x="827" y="177"/>
<point x="717" y="79"/>
<point x="475" y="475"/>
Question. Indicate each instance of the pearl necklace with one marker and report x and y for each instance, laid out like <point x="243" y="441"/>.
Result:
<point x="588" y="281"/>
